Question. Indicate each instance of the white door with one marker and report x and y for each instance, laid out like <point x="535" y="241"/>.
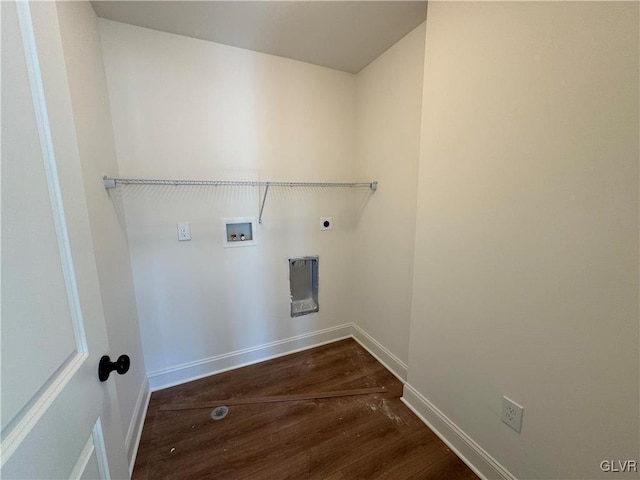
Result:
<point x="58" y="420"/>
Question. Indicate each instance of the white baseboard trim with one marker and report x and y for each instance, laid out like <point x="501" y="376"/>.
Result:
<point x="381" y="353"/>
<point x="221" y="363"/>
<point x="134" y="433"/>
<point x="478" y="460"/>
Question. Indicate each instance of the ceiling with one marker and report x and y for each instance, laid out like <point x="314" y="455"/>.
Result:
<point x="344" y="35"/>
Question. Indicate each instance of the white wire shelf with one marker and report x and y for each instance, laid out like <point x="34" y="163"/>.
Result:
<point x="114" y="182"/>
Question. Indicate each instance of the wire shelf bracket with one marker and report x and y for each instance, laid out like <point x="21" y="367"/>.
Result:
<point x="110" y="183"/>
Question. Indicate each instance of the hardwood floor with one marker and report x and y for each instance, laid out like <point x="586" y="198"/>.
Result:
<point x="336" y="438"/>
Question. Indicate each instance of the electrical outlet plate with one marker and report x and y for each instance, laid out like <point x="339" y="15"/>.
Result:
<point x="184" y="232"/>
<point x="511" y="414"/>
<point x="326" y="223"/>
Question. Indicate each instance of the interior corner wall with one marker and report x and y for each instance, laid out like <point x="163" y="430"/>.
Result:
<point x="388" y="116"/>
<point x="526" y="261"/>
<point x="89" y="97"/>
<point x="190" y="109"/>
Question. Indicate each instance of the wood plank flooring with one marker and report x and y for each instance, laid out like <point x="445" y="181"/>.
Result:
<point x="340" y="438"/>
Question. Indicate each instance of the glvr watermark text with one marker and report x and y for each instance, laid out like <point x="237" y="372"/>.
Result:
<point x="619" y="466"/>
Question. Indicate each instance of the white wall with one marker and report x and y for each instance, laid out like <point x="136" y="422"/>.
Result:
<point x="191" y="109"/>
<point x="388" y="115"/>
<point x="89" y="96"/>
<point x="526" y="268"/>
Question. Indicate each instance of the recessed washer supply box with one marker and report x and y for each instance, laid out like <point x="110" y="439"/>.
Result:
<point x="239" y="231"/>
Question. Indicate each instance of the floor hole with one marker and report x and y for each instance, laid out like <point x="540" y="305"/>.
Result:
<point x="219" y="413"/>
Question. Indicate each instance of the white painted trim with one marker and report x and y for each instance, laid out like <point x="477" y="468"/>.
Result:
<point x="51" y="171"/>
<point x="28" y="422"/>
<point x="478" y="460"/>
<point x="380" y="352"/>
<point x="187" y="372"/>
<point x="132" y="442"/>
<point x="101" y="449"/>
<point x="83" y="459"/>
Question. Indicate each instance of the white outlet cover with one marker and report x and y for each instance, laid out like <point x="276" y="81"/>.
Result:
<point x="326" y="223"/>
<point x="184" y="232"/>
<point x="511" y="414"/>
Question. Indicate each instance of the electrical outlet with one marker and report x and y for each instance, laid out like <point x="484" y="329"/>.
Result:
<point x="511" y="414"/>
<point x="184" y="232"/>
<point x="326" y="223"/>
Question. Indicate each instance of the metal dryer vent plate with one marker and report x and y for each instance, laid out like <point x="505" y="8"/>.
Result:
<point x="219" y="413"/>
<point x="303" y="281"/>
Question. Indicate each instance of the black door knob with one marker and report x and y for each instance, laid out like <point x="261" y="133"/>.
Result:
<point x="106" y="366"/>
